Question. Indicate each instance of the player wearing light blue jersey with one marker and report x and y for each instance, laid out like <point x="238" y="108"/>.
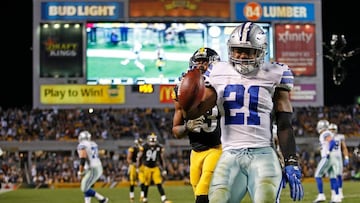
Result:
<point x="327" y="164"/>
<point x="341" y="155"/>
<point x="90" y="168"/>
<point x="247" y="91"/>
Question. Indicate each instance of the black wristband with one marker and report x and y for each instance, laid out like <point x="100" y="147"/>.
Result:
<point x="82" y="161"/>
<point x="291" y="160"/>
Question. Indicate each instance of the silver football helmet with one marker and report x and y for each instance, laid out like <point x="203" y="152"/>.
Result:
<point x="333" y="127"/>
<point x="322" y="125"/>
<point x="250" y="38"/>
<point x="84" y="135"/>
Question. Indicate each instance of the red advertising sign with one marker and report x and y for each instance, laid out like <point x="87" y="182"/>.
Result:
<point x="295" y="46"/>
<point x="167" y="93"/>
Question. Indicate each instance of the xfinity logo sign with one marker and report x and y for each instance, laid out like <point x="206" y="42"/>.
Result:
<point x="295" y="36"/>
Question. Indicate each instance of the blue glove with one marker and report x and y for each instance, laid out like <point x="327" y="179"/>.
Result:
<point x="346" y="162"/>
<point x="293" y="177"/>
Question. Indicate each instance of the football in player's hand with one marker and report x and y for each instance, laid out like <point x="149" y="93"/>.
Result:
<point x="191" y="89"/>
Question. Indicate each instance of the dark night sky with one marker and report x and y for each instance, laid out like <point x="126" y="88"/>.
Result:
<point x="16" y="80"/>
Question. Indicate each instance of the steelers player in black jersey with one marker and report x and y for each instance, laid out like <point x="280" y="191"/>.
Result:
<point x="135" y="177"/>
<point x="151" y="155"/>
<point x="203" y="133"/>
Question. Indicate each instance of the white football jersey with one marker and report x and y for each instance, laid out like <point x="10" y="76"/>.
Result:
<point x="245" y="102"/>
<point x="92" y="152"/>
<point x="338" y="139"/>
<point x="324" y="145"/>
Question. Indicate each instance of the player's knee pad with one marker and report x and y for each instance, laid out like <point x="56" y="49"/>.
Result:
<point x="89" y="193"/>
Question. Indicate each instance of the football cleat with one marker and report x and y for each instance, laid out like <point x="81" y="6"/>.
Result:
<point x="105" y="200"/>
<point x="335" y="199"/>
<point x="320" y="198"/>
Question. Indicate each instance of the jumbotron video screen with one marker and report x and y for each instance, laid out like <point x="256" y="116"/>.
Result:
<point x="148" y="53"/>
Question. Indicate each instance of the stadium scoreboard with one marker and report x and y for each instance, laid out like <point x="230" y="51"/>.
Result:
<point x="143" y="88"/>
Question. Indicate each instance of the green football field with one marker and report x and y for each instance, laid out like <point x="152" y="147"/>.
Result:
<point x="177" y="194"/>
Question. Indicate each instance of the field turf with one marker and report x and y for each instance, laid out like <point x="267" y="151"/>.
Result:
<point x="177" y="194"/>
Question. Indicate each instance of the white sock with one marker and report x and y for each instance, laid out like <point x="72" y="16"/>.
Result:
<point x="333" y="193"/>
<point x="99" y="196"/>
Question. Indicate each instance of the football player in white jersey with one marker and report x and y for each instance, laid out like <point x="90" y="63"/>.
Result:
<point x="340" y="150"/>
<point x="327" y="164"/>
<point x="247" y="90"/>
<point x="90" y="168"/>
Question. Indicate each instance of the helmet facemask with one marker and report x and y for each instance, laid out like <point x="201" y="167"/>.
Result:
<point x="247" y="64"/>
<point x="152" y="139"/>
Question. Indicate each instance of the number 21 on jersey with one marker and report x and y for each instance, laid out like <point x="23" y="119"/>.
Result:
<point x="238" y="102"/>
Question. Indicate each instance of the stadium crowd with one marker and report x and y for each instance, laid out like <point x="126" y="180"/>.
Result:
<point x="27" y="124"/>
<point x="59" y="124"/>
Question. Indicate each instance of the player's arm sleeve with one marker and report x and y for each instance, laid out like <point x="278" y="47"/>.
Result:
<point x="283" y="116"/>
<point x="286" y="79"/>
<point x="82" y="156"/>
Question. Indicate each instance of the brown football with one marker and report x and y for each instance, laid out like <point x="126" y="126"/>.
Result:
<point x="191" y="89"/>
